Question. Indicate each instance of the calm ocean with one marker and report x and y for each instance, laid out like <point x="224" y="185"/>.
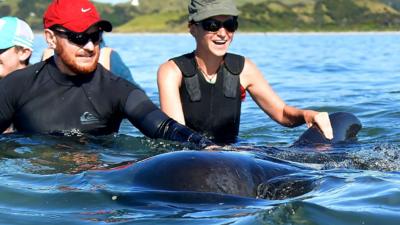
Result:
<point x="59" y="180"/>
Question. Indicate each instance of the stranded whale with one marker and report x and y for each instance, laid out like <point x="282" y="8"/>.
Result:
<point x="236" y="173"/>
<point x="218" y="172"/>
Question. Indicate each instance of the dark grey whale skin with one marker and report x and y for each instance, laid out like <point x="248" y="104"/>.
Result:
<point x="345" y="127"/>
<point x="235" y="173"/>
<point x="201" y="171"/>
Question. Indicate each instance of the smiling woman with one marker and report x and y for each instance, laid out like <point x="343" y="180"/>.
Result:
<point x="204" y="89"/>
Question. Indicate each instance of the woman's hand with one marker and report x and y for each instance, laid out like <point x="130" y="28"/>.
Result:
<point x="321" y="119"/>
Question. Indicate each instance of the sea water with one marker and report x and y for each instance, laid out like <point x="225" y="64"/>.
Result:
<point x="67" y="180"/>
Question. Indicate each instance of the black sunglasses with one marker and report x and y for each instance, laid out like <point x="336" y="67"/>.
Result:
<point x="80" y="38"/>
<point x="214" y="25"/>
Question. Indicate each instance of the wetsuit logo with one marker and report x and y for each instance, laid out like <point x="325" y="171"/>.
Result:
<point x="88" y="118"/>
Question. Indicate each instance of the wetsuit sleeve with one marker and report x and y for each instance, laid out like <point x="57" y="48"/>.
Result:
<point x="152" y="122"/>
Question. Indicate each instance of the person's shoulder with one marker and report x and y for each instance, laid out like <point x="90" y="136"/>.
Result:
<point x="169" y="65"/>
<point x="169" y="71"/>
<point x="234" y="57"/>
<point x="249" y="65"/>
<point x="250" y="74"/>
<point x="234" y="63"/>
<point x="26" y="73"/>
<point x="107" y="50"/>
<point x="18" y="82"/>
<point x="232" y="54"/>
<point x="114" y="79"/>
<point x="187" y="56"/>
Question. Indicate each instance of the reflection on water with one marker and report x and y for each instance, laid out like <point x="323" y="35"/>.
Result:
<point x="85" y="180"/>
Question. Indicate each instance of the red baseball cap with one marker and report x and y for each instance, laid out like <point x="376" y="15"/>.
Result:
<point x="74" y="15"/>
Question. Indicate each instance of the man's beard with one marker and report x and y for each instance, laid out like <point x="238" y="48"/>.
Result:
<point x="71" y="63"/>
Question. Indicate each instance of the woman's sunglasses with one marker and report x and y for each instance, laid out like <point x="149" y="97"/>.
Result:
<point x="214" y="25"/>
<point x="80" y="38"/>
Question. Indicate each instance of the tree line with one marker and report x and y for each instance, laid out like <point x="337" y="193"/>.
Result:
<point x="262" y="16"/>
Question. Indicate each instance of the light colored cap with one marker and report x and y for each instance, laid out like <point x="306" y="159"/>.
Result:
<point x="14" y="31"/>
<point x="203" y="9"/>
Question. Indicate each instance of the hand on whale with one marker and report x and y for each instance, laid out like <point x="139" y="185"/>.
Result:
<point x="236" y="173"/>
<point x="345" y="127"/>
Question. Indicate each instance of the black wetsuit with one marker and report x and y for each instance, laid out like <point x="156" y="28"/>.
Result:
<point x="212" y="109"/>
<point x="40" y="99"/>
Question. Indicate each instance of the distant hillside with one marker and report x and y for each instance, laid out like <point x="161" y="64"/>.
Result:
<point x="32" y="11"/>
<point x="256" y="15"/>
<point x="320" y="15"/>
<point x="283" y="15"/>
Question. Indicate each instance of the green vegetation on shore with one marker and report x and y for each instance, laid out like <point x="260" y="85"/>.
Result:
<point x="256" y="15"/>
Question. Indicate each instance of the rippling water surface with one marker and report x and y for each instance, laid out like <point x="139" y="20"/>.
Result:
<point x="82" y="180"/>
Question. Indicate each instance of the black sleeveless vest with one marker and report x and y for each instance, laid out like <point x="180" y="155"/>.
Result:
<point x="212" y="109"/>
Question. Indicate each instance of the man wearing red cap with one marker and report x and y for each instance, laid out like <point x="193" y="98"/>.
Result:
<point x="70" y="93"/>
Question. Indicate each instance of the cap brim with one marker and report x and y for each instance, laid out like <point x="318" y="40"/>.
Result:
<point x="104" y="25"/>
<point x="3" y="50"/>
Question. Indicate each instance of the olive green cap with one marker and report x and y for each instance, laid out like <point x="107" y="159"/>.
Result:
<point x="203" y="9"/>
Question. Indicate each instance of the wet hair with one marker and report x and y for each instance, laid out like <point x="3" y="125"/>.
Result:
<point x="20" y="48"/>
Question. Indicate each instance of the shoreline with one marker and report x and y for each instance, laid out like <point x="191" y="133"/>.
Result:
<point x="277" y="33"/>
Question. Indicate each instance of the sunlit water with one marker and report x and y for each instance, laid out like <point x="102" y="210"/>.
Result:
<point x="79" y="180"/>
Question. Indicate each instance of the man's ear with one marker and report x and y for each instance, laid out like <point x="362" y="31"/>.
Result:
<point x="24" y="54"/>
<point x="50" y="38"/>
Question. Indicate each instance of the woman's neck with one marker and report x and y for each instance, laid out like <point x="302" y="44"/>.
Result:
<point x="208" y="63"/>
